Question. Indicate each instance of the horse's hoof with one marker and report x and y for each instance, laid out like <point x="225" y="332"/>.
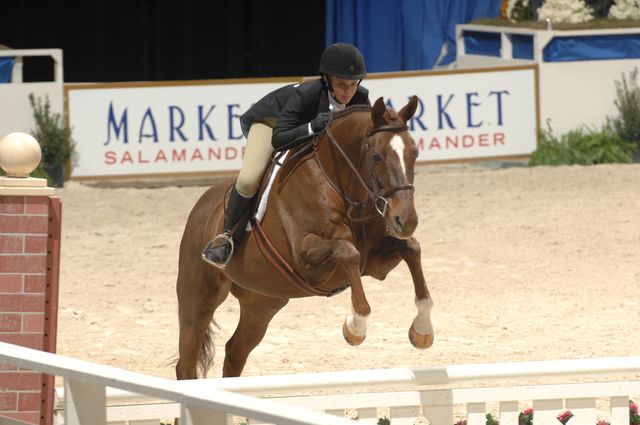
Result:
<point x="420" y="341"/>
<point x="351" y="338"/>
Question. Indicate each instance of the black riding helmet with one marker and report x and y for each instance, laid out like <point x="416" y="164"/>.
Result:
<point x="343" y="60"/>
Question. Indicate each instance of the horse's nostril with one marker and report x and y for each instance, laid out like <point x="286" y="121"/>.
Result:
<point x="399" y="224"/>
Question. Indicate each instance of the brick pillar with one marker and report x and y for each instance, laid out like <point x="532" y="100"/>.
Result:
<point x="29" y="270"/>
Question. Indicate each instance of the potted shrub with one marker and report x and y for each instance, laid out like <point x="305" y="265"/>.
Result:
<point x="54" y="137"/>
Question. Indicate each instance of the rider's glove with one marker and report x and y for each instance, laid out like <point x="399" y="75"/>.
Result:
<point x="320" y="121"/>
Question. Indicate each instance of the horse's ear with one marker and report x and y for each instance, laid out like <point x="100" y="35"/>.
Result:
<point x="409" y="109"/>
<point x="377" y="113"/>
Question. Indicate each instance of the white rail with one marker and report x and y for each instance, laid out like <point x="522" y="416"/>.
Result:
<point x="19" y="54"/>
<point x="420" y="393"/>
<point x="86" y="382"/>
<point x="445" y="375"/>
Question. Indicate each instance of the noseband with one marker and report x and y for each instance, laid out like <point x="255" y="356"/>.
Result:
<point x="375" y="193"/>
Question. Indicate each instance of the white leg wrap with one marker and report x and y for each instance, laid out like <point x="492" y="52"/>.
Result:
<point x="357" y="324"/>
<point x="422" y="322"/>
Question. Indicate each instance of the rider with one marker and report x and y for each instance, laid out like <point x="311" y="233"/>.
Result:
<point x="281" y="120"/>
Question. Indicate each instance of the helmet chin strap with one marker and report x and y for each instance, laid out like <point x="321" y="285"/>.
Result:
<point x="327" y="83"/>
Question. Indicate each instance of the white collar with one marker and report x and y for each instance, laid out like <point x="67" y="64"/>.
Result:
<point x="334" y="105"/>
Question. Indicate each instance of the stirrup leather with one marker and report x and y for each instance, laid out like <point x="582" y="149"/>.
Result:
<point x="221" y="238"/>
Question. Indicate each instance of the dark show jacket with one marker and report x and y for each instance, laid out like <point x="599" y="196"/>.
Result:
<point x="292" y="107"/>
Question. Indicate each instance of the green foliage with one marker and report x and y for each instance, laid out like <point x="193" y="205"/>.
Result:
<point x="600" y="7"/>
<point x="41" y="173"/>
<point x="634" y="415"/>
<point x="526" y="417"/>
<point x="384" y="421"/>
<point x="38" y="172"/>
<point x="616" y="142"/>
<point x="54" y="137"/>
<point x="491" y="420"/>
<point x="627" y="123"/>
<point x="522" y="11"/>
<point x="582" y="147"/>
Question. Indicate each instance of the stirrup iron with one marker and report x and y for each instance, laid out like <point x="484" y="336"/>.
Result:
<point x="221" y="238"/>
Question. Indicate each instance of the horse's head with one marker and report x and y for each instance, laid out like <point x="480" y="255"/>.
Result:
<point x="391" y="156"/>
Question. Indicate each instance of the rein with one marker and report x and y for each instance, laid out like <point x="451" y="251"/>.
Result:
<point x="375" y="193"/>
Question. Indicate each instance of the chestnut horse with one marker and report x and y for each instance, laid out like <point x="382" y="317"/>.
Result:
<point x="341" y="207"/>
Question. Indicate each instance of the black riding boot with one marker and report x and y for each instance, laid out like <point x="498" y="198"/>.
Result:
<point x="219" y="249"/>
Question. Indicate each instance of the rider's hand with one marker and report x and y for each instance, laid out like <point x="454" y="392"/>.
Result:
<point x="320" y="121"/>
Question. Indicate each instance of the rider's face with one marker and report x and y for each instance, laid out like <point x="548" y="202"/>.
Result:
<point x="343" y="89"/>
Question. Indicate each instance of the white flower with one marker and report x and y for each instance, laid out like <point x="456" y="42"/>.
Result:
<point x="625" y="9"/>
<point x="570" y="11"/>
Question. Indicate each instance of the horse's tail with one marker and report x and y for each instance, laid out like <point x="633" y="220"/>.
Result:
<point x="207" y="351"/>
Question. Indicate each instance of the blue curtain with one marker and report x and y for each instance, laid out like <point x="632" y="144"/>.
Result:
<point x="6" y="66"/>
<point x="398" y="35"/>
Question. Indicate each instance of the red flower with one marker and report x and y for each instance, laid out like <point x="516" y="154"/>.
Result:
<point x="565" y="416"/>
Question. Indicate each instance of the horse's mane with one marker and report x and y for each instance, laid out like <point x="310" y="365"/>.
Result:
<point x="389" y="113"/>
<point x="351" y="109"/>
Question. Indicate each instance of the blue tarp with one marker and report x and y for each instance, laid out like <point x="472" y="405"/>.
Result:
<point x="522" y="46"/>
<point x="482" y="43"/>
<point x="602" y="47"/>
<point x="6" y="66"/>
<point x="406" y="34"/>
<point x="489" y="44"/>
<point x="559" y="49"/>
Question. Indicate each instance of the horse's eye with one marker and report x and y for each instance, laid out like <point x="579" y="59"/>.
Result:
<point x="377" y="157"/>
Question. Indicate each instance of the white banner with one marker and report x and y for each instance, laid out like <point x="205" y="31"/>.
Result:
<point x="467" y="115"/>
<point x="160" y="129"/>
<point x="128" y="130"/>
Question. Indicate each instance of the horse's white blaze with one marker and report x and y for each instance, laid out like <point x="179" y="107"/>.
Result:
<point x="422" y="322"/>
<point x="357" y="324"/>
<point x="398" y="145"/>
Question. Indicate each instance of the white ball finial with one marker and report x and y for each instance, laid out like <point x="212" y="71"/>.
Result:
<point x="19" y="154"/>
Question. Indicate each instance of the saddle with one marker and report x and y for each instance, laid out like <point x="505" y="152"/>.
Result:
<point x="282" y="165"/>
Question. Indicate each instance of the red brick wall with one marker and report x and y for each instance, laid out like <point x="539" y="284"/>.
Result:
<point x="29" y="268"/>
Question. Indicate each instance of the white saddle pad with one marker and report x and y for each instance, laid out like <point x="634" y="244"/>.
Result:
<point x="262" y="206"/>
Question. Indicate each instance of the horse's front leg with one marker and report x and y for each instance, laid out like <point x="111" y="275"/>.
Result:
<point x="385" y="258"/>
<point x="325" y="258"/>
<point x="354" y="328"/>
<point x="421" y="333"/>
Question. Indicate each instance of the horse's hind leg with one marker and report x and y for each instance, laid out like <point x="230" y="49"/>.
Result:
<point x="256" y="311"/>
<point x="201" y="289"/>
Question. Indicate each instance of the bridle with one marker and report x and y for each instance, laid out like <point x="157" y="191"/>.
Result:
<point x="375" y="194"/>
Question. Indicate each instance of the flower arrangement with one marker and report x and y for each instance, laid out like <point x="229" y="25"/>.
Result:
<point x="625" y="9"/>
<point x="526" y="417"/>
<point x="570" y="11"/>
<point x="565" y="416"/>
<point x="516" y="10"/>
